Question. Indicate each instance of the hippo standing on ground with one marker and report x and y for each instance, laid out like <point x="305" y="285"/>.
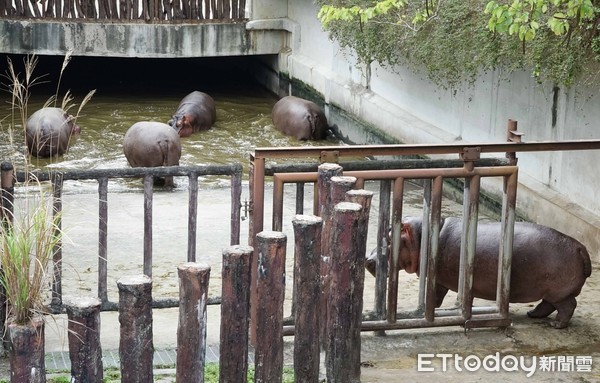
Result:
<point x="300" y="118"/>
<point x="150" y="144"/>
<point x="196" y="112"/>
<point x="547" y="265"/>
<point x="49" y="131"/>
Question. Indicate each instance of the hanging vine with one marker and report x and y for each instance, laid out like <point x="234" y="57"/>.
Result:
<point x="455" y="40"/>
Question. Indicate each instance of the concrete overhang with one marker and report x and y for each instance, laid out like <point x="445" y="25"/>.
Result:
<point x="138" y="39"/>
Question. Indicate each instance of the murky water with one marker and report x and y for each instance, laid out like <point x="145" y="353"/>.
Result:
<point x="243" y="123"/>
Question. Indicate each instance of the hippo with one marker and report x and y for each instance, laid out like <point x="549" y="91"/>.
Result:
<point x="196" y="112"/>
<point x="300" y="118"/>
<point x="546" y="264"/>
<point x="150" y="143"/>
<point x="49" y="132"/>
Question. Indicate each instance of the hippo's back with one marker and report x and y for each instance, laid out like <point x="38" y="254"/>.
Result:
<point x="48" y="132"/>
<point x="150" y="143"/>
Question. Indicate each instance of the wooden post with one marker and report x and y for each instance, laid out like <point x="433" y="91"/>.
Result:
<point x="191" y="331"/>
<point x="26" y="354"/>
<point x="346" y="295"/>
<point x="136" y="348"/>
<point x="307" y="286"/>
<point x="268" y="356"/>
<point x="85" y="351"/>
<point x="7" y="190"/>
<point x="325" y="210"/>
<point x="235" y="314"/>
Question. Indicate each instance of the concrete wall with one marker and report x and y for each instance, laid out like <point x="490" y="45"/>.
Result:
<point x="137" y="39"/>
<point x="557" y="189"/>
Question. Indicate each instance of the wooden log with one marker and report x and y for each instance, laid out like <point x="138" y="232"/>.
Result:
<point x="383" y="241"/>
<point x="307" y="287"/>
<point x="191" y="331"/>
<point x="268" y="354"/>
<point x="345" y="296"/>
<point x="85" y="351"/>
<point x="136" y="347"/>
<point x="114" y="9"/>
<point x="325" y="210"/>
<point x="26" y="352"/>
<point x="242" y="9"/>
<point x="235" y="313"/>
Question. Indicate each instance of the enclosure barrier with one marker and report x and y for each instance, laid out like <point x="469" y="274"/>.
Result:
<point x="85" y="350"/>
<point x="191" y="330"/>
<point x="136" y="347"/>
<point x="148" y="11"/>
<point x="471" y="165"/>
<point x="102" y="176"/>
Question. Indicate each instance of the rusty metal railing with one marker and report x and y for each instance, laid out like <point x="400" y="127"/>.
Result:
<point x="471" y="169"/>
<point x="102" y="176"/>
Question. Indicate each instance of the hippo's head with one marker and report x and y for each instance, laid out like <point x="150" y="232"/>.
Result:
<point x="175" y="122"/>
<point x="74" y="129"/>
<point x="182" y="125"/>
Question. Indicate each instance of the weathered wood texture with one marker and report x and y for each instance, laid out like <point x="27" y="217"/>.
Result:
<point x="26" y="351"/>
<point x="325" y="210"/>
<point x="191" y="331"/>
<point x="149" y="11"/>
<point x="307" y="286"/>
<point x="85" y="350"/>
<point x="235" y="311"/>
<point x="136" y="347"/>
<point x="268" y="355"/>
<point x="346" y="294"/>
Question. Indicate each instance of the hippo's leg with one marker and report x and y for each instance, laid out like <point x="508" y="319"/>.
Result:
<point x="542" y="310"/>
<point x="440" y="294"/>
<point x="565" y="309"/>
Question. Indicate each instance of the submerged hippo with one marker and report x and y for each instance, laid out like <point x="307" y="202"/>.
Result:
<point x="49" y="132"/>
<point x="196" y="112"/>
<point x="300" y="118"/>
<point x="150" y="144"/>
<point x="546" y="264"/>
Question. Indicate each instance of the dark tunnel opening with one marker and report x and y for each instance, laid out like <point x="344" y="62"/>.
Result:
<point x="110" y="75"/>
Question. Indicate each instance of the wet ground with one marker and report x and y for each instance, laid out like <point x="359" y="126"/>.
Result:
<point x="393" y="358"/>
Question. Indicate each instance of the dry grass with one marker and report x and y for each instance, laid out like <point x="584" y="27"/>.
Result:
<point x="30" y="236"/>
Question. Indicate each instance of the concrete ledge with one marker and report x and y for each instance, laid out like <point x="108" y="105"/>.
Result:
<point x="137" y="39"/>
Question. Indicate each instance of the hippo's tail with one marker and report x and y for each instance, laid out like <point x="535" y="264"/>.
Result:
<point x="164" y="148"/>
<point x="587" y="263"/>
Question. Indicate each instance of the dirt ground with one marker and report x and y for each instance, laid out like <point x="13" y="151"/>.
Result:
<point x="390" y="358"/>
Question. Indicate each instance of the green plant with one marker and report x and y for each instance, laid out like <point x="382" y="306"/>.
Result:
<point x="454" y="41"/>
<point x="27" y="245"/>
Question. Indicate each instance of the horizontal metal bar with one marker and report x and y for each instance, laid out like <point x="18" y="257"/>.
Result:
<point x="421" y="163"/>
<point x="160" y="171"/>
<point x="406" y="173"/>
<point x="426" y="149"/>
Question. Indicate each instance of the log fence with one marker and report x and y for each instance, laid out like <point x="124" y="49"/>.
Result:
<point x="147" y="11"/>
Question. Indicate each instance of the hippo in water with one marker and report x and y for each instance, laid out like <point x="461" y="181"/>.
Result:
<point x="300" y="118"/>
<point x="196" y="112"/>
<point x="547" y="265"/>
<point x="150" y="144"/>
<point x="49" y="132"/>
